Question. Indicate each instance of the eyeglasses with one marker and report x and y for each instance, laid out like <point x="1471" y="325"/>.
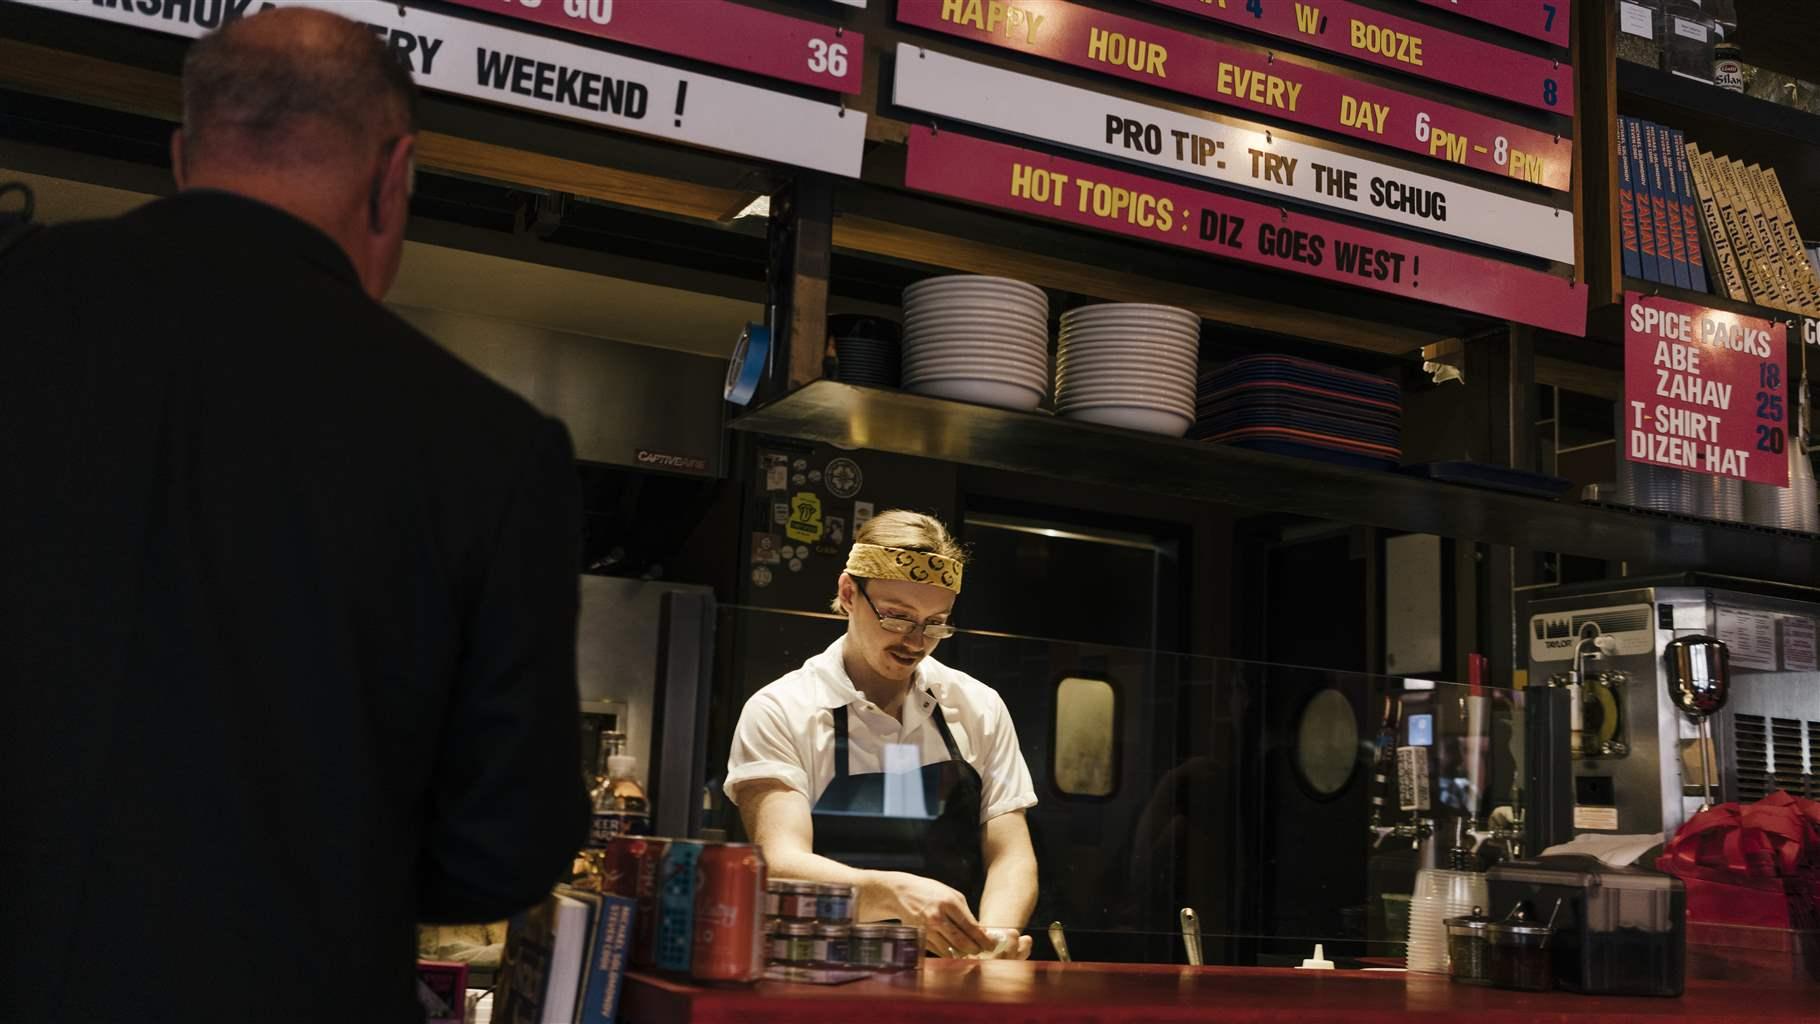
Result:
<point x="900" y="625"/>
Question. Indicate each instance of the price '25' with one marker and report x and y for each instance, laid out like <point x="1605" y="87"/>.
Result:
<point x="828" y="58"/>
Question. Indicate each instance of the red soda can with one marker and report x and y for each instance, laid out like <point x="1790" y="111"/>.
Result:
<point x="730" y="939"/>
<point x="618" y="864"/>
<point x="630" y="870"/>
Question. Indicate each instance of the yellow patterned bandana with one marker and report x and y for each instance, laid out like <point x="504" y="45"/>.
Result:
<point x="872" y="562"/>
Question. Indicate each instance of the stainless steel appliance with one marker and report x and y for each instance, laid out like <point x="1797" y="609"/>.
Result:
<point x="1635" y="762"/>
<point x="649" y="409"/>
<point x="643" y="657"/>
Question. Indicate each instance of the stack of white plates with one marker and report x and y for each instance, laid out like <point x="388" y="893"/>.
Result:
<point x="977" y="339"/>
<point x="1129" y="365"/>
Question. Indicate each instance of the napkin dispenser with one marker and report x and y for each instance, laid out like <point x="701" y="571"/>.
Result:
<point x="1613" y="931"/>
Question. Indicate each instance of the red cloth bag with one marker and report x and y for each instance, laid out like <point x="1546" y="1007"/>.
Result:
<point x="1755" y="864"/>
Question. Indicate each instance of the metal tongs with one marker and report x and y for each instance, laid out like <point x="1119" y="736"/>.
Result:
<point x="1191" y="935"/>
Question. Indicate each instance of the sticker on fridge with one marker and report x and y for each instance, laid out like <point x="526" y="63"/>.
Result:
<point x="844" y="478"/>
<point x="805" y="519"/>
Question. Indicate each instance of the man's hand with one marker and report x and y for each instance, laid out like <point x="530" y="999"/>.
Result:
<point x="1007" y="944"/>
<point x="949" y="928"/>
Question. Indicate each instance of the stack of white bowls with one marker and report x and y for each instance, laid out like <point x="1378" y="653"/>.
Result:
<point x="1129" y="365"/>
<point x="1439" y="895"/>
<point x="977" y="339"/>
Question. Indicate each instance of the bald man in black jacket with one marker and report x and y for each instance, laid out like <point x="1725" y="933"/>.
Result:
<point x="287" y="593"/>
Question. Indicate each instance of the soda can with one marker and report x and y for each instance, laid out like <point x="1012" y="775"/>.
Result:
<point x="673" y="946"/>
<point x="729" y="914"/>
<point x="629" y="868"/>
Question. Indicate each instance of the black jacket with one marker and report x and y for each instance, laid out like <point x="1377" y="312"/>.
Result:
<point x="287" y="624"/>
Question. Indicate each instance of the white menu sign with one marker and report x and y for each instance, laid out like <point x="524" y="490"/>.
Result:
<point x="1248" y="157"/>
<point x="562" y="79"/>
<point x="1751" y="635"/>
<point x="1798" y="647"/>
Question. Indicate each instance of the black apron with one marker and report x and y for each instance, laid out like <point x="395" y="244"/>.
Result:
<point x="943" y="844"/>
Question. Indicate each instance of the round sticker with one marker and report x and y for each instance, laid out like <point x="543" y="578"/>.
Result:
<point x="815" y="476"/>
<point x="844" y="478"/>
<point x="796" y="565"/>
<point x="800" y="464"/>
<point x="799" y="479"/>
<point x="761" y="576"/>
<point x="802" y="551"/>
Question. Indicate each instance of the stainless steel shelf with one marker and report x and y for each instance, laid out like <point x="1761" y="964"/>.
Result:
<point x="844" y="416"/>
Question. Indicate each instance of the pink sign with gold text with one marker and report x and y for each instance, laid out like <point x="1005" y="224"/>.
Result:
<point x="1087" y="195"/>
<point x="1705" y="390"/>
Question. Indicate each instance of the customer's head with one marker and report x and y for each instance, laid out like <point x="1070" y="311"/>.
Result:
<point x="903" y="576"/>
<point x="309" y="112"/>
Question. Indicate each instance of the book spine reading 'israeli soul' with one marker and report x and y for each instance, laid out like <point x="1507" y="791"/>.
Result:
<point x="1730" y="281"/>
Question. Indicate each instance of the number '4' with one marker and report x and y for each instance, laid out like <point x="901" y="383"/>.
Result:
<point x="1255" y="8"/>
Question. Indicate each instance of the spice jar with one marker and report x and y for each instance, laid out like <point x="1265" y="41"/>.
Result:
<point x="1520" y="957"/>
<point x="872" y="946"/>
<point x="792" y="943"/>
<point x="1469" y="948"/>
<point x="833" y="945"/>
<point x="907" y="948"/>
<point x="791" y="900"/>
<point x="834" y="904"/>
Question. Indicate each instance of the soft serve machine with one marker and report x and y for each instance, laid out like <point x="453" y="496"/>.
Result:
<point x="1622" y="678"/>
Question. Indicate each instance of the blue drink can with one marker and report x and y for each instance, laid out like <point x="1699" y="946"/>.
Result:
<point x="677" y="879"/>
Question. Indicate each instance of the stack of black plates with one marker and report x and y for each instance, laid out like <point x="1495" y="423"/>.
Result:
<point x="866" y="350"/>
<point x="1296" y="407"/>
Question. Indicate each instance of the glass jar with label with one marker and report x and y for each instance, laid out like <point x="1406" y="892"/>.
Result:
<point x="791" y="900"/>
<point x="1728" y="66"/>
<point x="906" y="948"/>
<point x="792" y="943"/>
<point x="833" y="945"/>
<point x="872" y="947"/>
<point x="834" y="903"/>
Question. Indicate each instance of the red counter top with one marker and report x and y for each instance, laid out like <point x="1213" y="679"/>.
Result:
<point x="1007" y="992"/>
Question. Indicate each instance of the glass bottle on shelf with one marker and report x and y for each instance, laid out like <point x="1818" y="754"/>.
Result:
<point x="620" y="806"/>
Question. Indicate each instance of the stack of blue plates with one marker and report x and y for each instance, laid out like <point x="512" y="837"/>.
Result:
<point x="1297" y="407"/>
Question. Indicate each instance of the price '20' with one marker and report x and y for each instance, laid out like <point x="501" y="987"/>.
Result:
<point x="828" y="58"/>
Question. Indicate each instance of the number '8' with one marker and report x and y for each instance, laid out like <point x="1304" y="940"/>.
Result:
<point x="1549" y="93"/>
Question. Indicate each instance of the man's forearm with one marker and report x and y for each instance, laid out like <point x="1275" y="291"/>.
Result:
<point x="873" y="903"/>
<point x="1010" y="893"/>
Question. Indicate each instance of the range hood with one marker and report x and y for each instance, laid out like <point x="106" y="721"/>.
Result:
<point x="636" y="406"/>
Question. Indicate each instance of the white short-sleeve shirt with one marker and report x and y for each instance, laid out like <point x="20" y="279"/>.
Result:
<point x="786" y="731"/>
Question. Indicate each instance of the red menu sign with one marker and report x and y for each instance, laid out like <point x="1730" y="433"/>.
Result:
<point x="715" y="31"/>
<point x="1705" y="390"/>
<point x="1012" y="178"/>
<point x="1411" y="47"/>
<point x="1169" y="59"/>
<point x="1546" y="20"/>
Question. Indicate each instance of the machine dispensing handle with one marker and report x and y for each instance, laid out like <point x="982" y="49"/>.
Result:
<point x="1059" y="941"/>
<point x="1191" y="936"/>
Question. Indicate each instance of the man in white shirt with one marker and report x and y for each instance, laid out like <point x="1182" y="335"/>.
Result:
<point x="876" y="766"/>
